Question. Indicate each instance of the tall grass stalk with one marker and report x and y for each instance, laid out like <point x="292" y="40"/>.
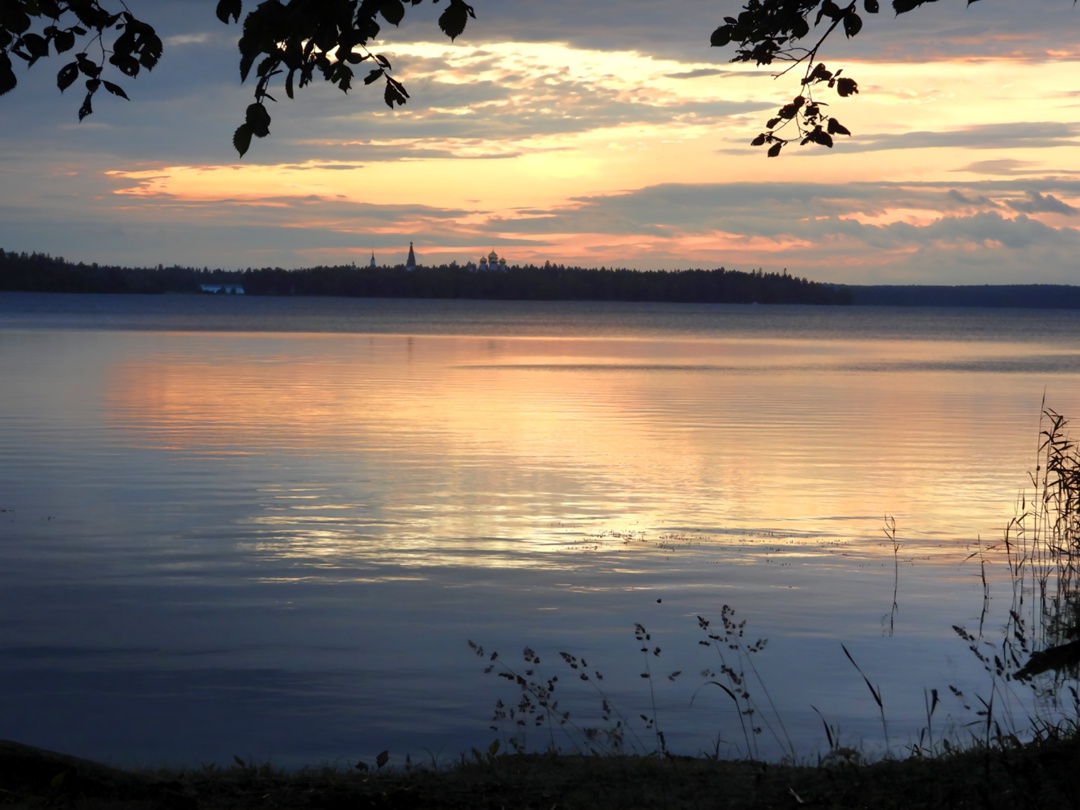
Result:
<point x="1041" y="547"/>
<point x="645" y="639"/>
<point x="890" y="532"/>
<point x="1042" y="542"/>
<point x="876" y="692"/>
<point x="730" y="640"/>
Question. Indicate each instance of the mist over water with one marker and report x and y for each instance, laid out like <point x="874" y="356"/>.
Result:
<point x="268" y="527"/>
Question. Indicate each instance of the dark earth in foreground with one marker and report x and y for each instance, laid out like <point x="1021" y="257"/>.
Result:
<point x="1038" y="775"/>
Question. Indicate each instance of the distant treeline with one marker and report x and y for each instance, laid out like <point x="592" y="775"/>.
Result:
<point x="36" y="272"/>
<point x="39" y="272"/>
<point x="1032" y="296"/>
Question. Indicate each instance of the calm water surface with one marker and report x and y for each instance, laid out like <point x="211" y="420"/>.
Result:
<point x="269" y="527"/>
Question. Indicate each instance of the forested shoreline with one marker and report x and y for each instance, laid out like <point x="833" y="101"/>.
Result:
<point x="36" y="272"/>
<point x="40" y="272"/>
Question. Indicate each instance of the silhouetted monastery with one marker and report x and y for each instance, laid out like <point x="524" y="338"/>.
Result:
<point x="492" y="262"/>
<point x="489" y="263"/>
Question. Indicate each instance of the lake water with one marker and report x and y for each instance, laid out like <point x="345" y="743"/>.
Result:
<point x="269" y="527"/>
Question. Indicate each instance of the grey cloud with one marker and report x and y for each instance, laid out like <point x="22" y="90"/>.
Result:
<point x="1030" y="30"/>
<point x="1015" y="234"/>
<point x="696" y="74"/>
<point x="304" y="167"/>
<point x="1037" y="203"/>
<point x="283" y="210"/>
<point x="1003" y="166"/>
<point x="983" y="29"/>
<point x="977" y="200"/>
<point x="760" y="208"/>
<point x="982" y="228"/>
<point x="1065" y="184"/>
<point x="554" y="105"/>
<point x="810" y="212"/>
<point x="642" y="25"/>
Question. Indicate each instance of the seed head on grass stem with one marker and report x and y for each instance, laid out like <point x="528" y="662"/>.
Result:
<point x="731" y="679"/>
<point x="536" y="707"/>
<point x="649" y="650"/>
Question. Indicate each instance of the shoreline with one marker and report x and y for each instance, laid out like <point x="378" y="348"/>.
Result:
<point x="1040" y="774"/>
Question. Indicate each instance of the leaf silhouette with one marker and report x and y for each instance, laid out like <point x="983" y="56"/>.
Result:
<point x="86" y="108"/>
<point x="242" y="139"/>
<point x="67" y="76"/>
<point x="228" y="8"/>
<point x="115" y="89"/>
<point x="836" y="128"/>
<point x="846" y="87"/>
<point x="852" y="24"/>
<point x="7" y="75"/>
<point x="258" y="120"/>
<point x="453" y="20"/>
<point x="393" y="11"/>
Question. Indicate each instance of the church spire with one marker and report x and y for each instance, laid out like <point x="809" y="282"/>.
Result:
<point x="410" y="263"/>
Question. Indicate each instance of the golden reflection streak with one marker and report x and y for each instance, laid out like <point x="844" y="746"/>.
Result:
<point x="506" y="417"/>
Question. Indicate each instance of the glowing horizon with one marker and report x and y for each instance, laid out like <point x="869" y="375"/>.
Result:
<point x="960" y="170"/>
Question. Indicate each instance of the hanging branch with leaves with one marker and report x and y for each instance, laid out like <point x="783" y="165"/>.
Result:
<point x="769" y="31"/>
<point x="298" y="38"/>
<point x="294" y="39"/>
<point x="105" y="38"/>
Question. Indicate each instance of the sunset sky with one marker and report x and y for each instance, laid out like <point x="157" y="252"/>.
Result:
<point x="606" y="133"/>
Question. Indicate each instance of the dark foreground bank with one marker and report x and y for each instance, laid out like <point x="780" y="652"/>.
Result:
<point x="1043" y="775"/>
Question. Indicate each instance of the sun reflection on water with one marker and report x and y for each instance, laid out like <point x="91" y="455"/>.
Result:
<point x="272" y="516"/>
<point x="463" y="451"/>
